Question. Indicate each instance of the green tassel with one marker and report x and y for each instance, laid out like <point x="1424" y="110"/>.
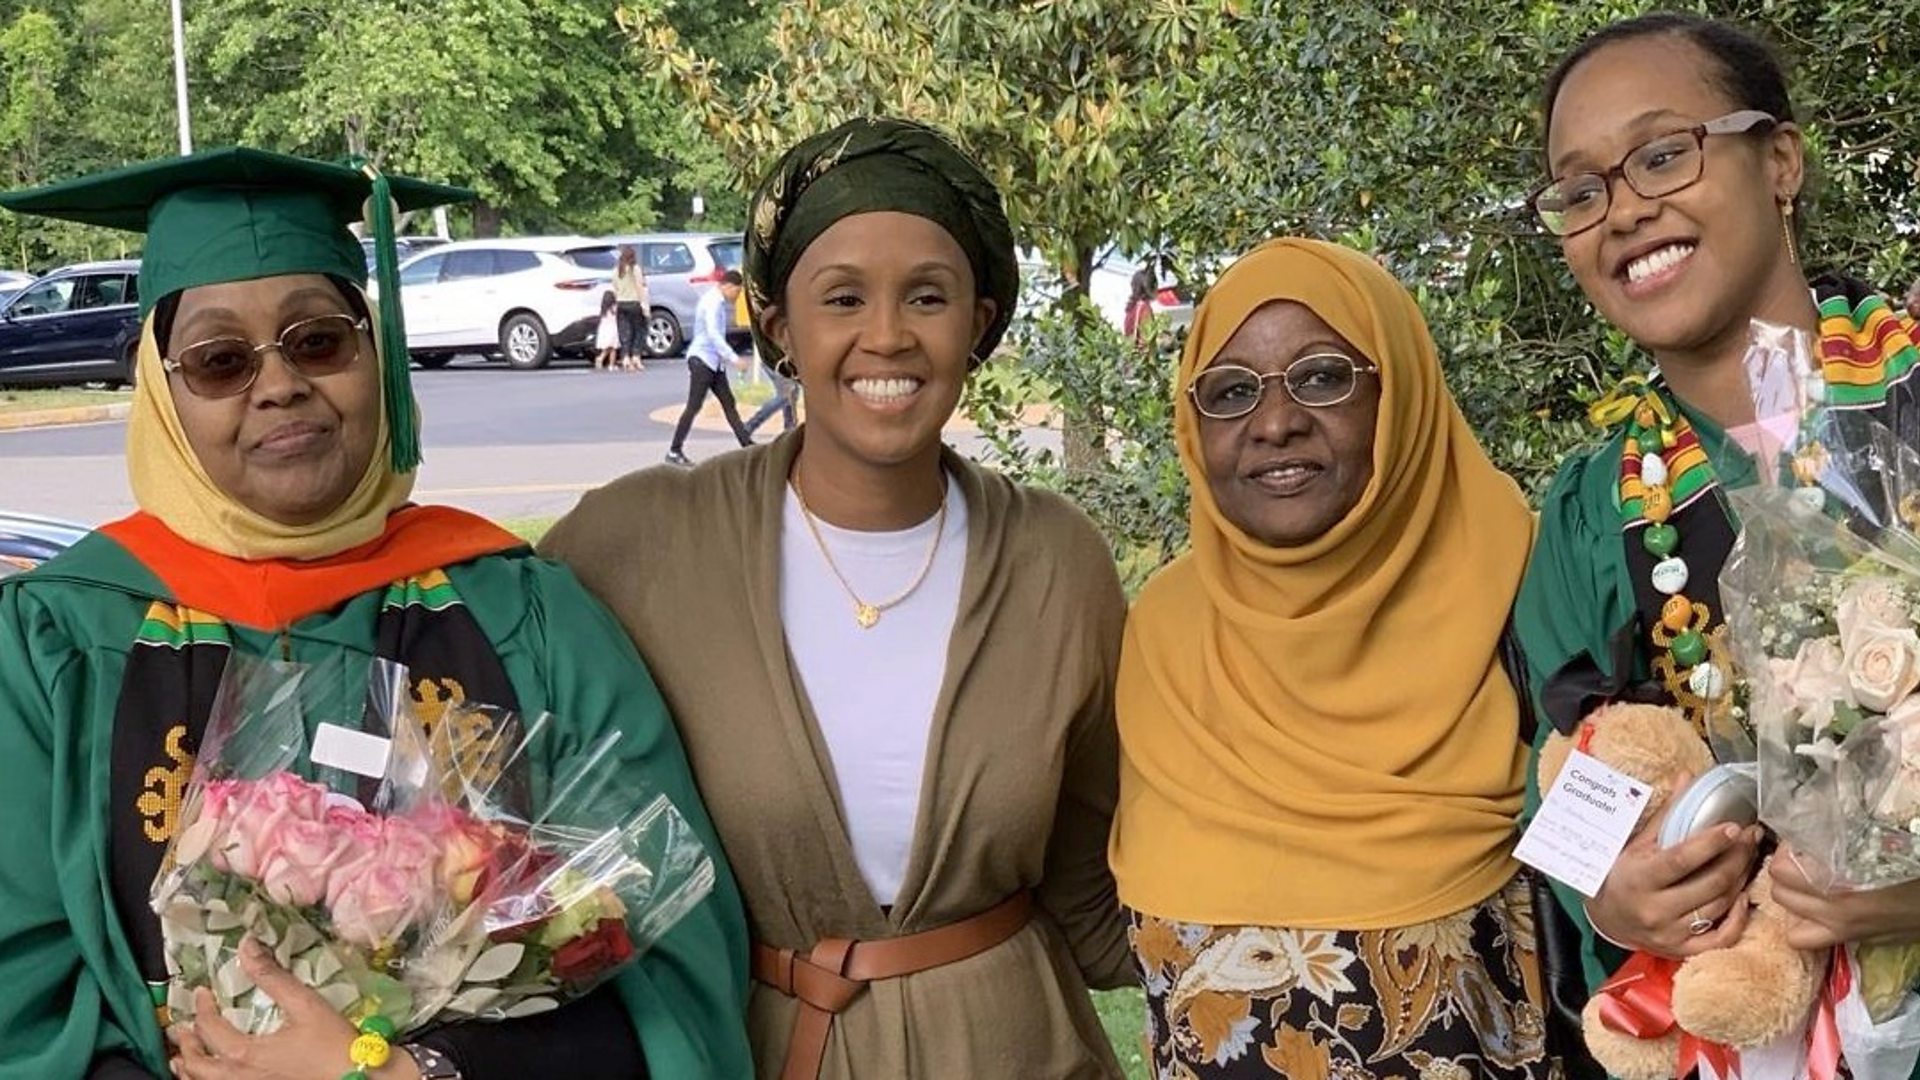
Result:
<point x="402" y="428"/>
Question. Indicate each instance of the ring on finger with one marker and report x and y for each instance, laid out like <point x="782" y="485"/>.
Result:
<point x="1700" y="924"/>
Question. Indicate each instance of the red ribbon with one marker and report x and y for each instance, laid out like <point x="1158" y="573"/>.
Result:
<point x="1823" y="1039"/>
<point x="1638" y="1002"/>
<point x="1695" y="1051"/>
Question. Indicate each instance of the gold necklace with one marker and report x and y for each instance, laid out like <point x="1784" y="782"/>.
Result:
<point x="864" y="613"/>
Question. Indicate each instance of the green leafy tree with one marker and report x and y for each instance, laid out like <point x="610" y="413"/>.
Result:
<point x="1412" y="130"/>
<point x="532" y="102"/>
<point x="1069" y="108"/>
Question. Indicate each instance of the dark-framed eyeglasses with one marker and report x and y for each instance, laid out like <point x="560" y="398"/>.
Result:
<point x="1316" y="380"/>
<point x="225" y="366"/>
<point x="1570" y="205"/>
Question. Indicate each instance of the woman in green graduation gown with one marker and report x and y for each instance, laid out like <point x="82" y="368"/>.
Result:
<point x="271" y="450"/>
<point x="1676" y="169"/>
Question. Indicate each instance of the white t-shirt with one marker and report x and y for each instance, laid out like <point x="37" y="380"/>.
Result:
<point x="873" y="691"/>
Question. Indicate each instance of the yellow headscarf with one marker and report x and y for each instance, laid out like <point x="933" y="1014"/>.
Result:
<point x="1322" y="736"/>
<point x="170" y="483"/>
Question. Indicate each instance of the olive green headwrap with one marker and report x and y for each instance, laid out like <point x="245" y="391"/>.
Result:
<point x="867" y="166"/>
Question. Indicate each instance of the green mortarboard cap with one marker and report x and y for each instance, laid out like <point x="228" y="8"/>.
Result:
<point x="229" y="215"/>
<point x="236" y="214"/>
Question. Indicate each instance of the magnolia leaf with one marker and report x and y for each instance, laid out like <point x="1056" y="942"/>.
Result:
<point x="192" y="843"/>
<point x="230" y="980"/>
<point x="533" y="1006"/>
<point x="324" y="965"/>
<point x="301" y="936"/>
<point x="340" y="995"/>
<point x="496" y="963"/>
<point x="475" y="1001"/>
<point x="183" y="915"/>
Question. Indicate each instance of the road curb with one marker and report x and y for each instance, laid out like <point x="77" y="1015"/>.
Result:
<point x="78" y="414"/>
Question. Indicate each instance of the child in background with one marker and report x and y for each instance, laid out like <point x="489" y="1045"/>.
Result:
<point x="607" y="338"/>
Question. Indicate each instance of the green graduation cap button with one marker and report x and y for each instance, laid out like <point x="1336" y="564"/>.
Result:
<point x="232" y="214"/>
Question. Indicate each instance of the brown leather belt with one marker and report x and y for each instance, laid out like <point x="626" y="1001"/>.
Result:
<point x="833" y="975"/>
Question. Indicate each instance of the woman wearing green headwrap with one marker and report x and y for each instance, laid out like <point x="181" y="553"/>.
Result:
<point x="893" y="668"/>
<point x="271" y="449"/>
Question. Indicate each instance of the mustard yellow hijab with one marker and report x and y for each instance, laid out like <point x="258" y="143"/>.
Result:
<point x="1322" y="736"/>
<point x="170" y="483"/>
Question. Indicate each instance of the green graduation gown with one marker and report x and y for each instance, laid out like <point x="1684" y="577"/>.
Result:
<point x="71" y="989"/>
<point x="1578" y="598"/>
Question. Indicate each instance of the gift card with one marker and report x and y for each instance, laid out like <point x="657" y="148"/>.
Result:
<point x="356" y="752"/>
<point x="1583" y="822"/>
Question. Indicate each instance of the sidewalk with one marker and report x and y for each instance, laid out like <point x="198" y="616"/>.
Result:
<point x="75" y="414"/>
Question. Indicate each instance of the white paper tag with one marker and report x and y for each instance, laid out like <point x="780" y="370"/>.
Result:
<point x="1583" y="822"/>
<point x="337" y="747"/>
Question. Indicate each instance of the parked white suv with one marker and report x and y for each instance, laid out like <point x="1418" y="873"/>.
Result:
<point x="526" y="298"/>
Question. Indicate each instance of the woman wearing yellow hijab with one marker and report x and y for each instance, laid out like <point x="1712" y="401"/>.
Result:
<point x="1321" y="755"/>
<point x="272" y="448"/>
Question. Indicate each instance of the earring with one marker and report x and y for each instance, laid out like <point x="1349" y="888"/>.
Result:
<point x="1786" y="229"/>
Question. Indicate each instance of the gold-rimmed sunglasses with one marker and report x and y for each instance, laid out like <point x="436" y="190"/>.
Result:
<point x="225" y="366"/>
<point x="1570" y="205"/>
<point x="1316" y="380"/>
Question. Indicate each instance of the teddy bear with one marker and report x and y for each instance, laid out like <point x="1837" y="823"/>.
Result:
<point x="1745" y="995"/>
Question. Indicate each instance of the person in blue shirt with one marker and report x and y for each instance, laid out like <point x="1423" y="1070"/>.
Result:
<point x="708" y="356"/>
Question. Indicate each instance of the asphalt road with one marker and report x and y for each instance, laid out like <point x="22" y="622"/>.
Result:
<point x="507" y="444"/>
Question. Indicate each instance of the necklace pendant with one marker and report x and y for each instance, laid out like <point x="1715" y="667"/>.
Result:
<point x="865" y="614"/>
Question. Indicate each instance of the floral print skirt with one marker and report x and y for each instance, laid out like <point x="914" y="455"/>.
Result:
<point x="1457" y="998"/>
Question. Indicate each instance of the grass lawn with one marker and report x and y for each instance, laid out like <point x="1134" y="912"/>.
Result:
<point x="530" y="529"/>
<point x="1124" y="1015"/>
<point x="59" y="398"/>
<point x="1121" y="1011"/>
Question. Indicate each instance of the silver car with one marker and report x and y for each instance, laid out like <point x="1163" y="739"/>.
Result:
<point x="679" y="267"/>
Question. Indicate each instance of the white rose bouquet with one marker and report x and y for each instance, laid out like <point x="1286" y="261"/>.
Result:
<point x="1822" y="598"/>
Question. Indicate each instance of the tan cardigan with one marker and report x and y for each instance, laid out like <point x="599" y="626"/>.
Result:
<point x="1019" y="787"/>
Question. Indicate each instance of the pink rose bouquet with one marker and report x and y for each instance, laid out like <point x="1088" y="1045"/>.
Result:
<point x="399" y="872"/>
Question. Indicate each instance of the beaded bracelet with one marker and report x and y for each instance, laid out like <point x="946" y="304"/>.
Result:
<point x="370" y="1048"/>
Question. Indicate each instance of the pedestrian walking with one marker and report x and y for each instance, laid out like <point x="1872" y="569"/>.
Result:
<point x="786" y="394"/>
<point x="708" y="357"/>
<point x="630" y="297"/>
<point x="607" y="338"/>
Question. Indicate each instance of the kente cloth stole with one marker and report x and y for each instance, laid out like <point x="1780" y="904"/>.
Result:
<point x="1867" y="355"/>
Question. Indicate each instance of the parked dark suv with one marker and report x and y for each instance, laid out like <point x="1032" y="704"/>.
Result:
<point x="77" y="324"/>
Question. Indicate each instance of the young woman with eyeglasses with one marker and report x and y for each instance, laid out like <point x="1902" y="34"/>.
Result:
<point x="1321" y="759"/>
<point x="1675" y="171"/>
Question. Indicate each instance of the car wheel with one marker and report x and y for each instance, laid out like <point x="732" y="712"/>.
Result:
<point x="130" y="364"/>
<point x="432" y="360"/>
<point x="663" y="333"/>
<point x="525" y="343"/>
